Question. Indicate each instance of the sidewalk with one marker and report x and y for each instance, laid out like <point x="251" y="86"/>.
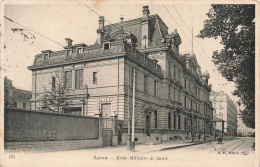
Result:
<point x="146" y="148"/>
<point x="167" y="146"/>
<point x="140" y="148"/>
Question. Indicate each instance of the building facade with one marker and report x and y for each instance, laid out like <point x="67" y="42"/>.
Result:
<point x="225" y="109"/>
<point x="171" y="93"/>
<point x="16" y="98"/>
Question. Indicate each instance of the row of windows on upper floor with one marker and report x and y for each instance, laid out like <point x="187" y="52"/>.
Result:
<point x="78" y="50"/>
<point x="173" y="92"/>
<point x="78" y="79"/>
<point x="175" y="73"/>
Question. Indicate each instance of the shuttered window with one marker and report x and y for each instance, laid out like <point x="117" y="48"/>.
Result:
<point x="78" y="79"/>
<point x="68" y="79"/>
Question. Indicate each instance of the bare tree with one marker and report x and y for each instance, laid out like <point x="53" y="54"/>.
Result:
<point x="57" y="98"/>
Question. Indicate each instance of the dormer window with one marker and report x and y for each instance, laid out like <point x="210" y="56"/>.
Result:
<point x="79" y="50"/>
<point x="45" y="57"/>
<point x="69" y="52"/>
<point x="107" y="46"/>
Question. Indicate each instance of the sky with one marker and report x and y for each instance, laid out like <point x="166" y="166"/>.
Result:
<point x="72" y="19"/>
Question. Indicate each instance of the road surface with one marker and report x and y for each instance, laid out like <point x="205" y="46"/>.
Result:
<point x="235" y="153"/>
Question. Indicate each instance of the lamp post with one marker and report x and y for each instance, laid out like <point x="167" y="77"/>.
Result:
<point x="133" y="114"/>
<point x="128" y="147"/>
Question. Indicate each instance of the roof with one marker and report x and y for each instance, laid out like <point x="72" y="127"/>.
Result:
<point x="158" y="29"/>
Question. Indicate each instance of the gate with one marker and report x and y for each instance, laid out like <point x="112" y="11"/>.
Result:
<point x="107" y="132"/>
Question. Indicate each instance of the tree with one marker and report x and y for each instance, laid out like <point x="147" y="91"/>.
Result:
<point x="57" y="98"/>
<point x="235" y="26"/>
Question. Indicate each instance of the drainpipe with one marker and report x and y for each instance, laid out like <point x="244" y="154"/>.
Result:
<point x="129" y="117"/>
<point x="35" y="72"/>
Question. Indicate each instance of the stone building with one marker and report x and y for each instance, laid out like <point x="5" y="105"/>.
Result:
<point x="16" y="98"/>
<point x="171" y="95"/>
<point x="225" y="109"/>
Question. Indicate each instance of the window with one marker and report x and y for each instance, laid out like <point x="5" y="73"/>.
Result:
<point x="68" y="79"/>
<point x="132" y="77"/>
<point x="73" y="110"/>
<point x="196" y="91"/>
<point x="185" y="123"/>
<point x="174" y="123"/>
<point x="169" y="92"/>
<point x="185" y="83"/>
<point x="15" y="104"/>
<point x="179" y="96"/>
<point x="179" y="122"/>
<point x="94" y="77"/>
<point x="78" y="79"/>
<point x="155" y="119"/>
<point x="80" y="50"/>
<point x="24" y="105"/>
<point x="53" y="83"/>
<point x="69" y="52"/>
<point x="106" y="110"/>
<point x="169" y="69"/>
<point x="175" y="72"/>
<point x="155" y="88"/>
<point x="107" y="46"/>
<point x="169" y="120"/>
<point x="185" y="102"/>
<point x="179" y="75"/>
<point x="191" y="104"/>
<point x="145" y="58"/>
<point x="175" y="94"/>
<point x="145" y="83"/>
<point x="45" y="56"/>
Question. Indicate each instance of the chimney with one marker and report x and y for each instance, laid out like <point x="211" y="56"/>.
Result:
<point x="100" y="30"/>
<point x="145" y="28"/>
<point x="68" y="41"/>
<point x="146" y="12"/>
<point x="101" y="22"/>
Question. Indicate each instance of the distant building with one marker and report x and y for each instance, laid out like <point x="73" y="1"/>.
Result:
<point x="171" y="93"/>
<point x="16" y="98"/>
<point x="226" y="109"/>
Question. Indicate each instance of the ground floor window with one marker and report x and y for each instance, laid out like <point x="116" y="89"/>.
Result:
<point x="155" y="119"/>
<point x="73" y="110"/>
<point x="169" y="120"/>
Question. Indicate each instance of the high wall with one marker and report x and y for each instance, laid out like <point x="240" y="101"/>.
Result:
<point x="26" y="129"/>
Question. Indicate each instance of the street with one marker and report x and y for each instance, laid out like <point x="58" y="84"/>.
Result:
<point x="237" y="152"/>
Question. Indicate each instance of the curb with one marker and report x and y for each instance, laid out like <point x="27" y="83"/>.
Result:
<point x="175" y="147"/>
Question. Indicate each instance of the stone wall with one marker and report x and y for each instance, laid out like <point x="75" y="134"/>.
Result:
<point x="25" y="126"/>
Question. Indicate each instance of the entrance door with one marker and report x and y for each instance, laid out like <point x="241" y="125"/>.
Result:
<point x="107" y="137"/>
<point x="106" y="125"/>
<point x="148" y="125"/>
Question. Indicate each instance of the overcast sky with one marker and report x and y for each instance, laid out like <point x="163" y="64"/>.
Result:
<point x="74" y="20"/>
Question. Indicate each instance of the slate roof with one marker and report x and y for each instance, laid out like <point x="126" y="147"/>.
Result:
<point x="158" y="29"/>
